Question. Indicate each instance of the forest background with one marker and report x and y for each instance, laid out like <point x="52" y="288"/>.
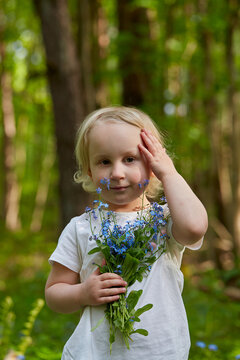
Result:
<point x="179" y="61"/>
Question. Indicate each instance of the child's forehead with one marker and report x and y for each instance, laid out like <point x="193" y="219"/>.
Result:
<point x="114" y="135"/>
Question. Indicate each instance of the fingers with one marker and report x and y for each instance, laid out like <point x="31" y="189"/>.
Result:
<point x="150" y="141"/>
<point x="109" y="283"/>
<point x="112" y="291"/>
<point x="151" y="149"/>
<point x="104" y="288"/>
<point x="108" y="299"/>
<point x="110" y="294"/>
<point x="155" y="154"/>
<point x="110" y="276"/>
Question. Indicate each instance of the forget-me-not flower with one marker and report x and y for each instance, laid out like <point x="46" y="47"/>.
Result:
<point x="213" y="347"/>
<point x="201" y="344"/>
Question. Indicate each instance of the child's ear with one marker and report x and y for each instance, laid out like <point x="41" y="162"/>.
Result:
<point x="151" y="174"/>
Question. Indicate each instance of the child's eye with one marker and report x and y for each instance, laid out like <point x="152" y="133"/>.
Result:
<point x="129" y="159"/>
<point x="104" y="162"/>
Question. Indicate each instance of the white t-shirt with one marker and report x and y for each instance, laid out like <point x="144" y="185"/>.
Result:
<point x="166" y="323"/>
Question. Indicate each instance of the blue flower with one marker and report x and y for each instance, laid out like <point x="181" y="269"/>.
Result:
<point x="213" y="347"/>
<point x="146" y="182"/>
<point x="105" y="181"/>
<point x="94" y="214"/>
<point x="21" y="357"/>
<point x="87" y="209"/>
<point x="118" y="271"/>
<point x="102" y="205"/>
<point x="201" y="344"/>
<point x="98" y="190"/>
<point x="237" y="356"/>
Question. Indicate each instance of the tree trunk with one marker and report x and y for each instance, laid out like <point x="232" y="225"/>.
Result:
<point x="134" y="43"/>
<point x="42" y="190"/>
<point x="85" y="48"/>
<point x="12" y="192"/>
<point x="64" y="80"/>
<point x="218" y="167"/>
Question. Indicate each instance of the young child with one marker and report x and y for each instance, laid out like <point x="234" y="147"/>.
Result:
<point x="123" y="145"/>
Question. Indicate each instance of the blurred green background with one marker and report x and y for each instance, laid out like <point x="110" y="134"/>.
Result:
<point x="179" y="61"/>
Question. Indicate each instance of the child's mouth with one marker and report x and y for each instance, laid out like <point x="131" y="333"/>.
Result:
<point x="118" y="188"/>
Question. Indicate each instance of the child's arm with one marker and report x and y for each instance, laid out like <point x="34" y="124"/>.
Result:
<point x="188" y="213"/>
<point x="65" y="294"/>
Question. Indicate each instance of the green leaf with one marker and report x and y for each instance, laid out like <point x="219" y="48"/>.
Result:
<point x="112" y="337"/>
<point x="136" y="319"/>
<point x="139" y="277"/>
<point x="140" y="331"/>
<point x="118" y="323"/>
<point x="133" y="298"/>
<point x="98" y="323"/>
<point x="93" y="251"/>
<point x="129" y="267"/>
<point x="141" y="310"/>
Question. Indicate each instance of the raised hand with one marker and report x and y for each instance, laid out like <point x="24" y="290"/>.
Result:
<point x="103" y="288"/>
<point x="155" y="154"/>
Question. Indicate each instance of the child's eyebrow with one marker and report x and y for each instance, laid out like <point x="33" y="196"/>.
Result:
<point x="100" y="156"/>
<point x="130" y="152"/>
<point x="126" y="152"/>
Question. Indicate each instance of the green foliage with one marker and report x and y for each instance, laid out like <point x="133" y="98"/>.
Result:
<point x="213" y="318"/>
<point x="7" y="318"/>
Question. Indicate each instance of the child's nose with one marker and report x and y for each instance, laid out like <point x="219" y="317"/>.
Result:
<point x="117" y="172"/>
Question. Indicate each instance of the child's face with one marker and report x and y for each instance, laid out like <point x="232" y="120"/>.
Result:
<point x="114" y="154"/>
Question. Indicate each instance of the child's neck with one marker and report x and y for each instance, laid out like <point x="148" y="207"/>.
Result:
<point x="138" y="205"/>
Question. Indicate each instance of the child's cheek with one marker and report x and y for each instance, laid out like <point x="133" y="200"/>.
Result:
<point x="136" y="175"/>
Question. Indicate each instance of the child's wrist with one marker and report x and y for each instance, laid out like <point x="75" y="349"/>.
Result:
<point x="164" y="178"/>
<point x="82" y="296"/>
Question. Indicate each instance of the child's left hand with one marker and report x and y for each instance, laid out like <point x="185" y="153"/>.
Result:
<point x="156" y="156"/>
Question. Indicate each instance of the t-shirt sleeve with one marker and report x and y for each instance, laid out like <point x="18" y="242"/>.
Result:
<point x="196" y="246"/>
<point x="67" y="251"/>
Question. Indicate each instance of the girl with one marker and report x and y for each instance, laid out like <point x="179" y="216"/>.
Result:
<point x="123" y="145"/>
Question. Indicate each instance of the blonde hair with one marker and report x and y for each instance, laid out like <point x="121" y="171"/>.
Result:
<point x="128" y="115"/>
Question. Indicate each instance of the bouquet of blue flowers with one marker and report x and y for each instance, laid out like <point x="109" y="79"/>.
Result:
<point x="129" y="251"/>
